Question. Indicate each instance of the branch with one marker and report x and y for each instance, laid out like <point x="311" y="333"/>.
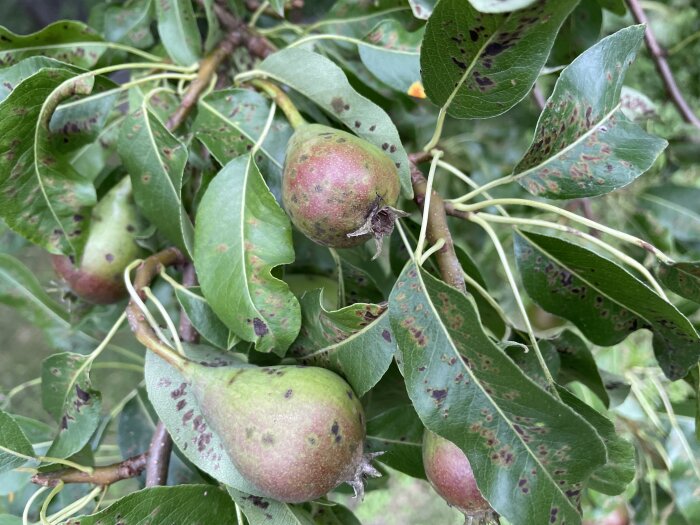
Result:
<point x="450" y="268"/>
<point x="129" y="468"/>
<point x="159" y="452"/>
<point x="659" y="58"/>
<point x="258" y="45"/>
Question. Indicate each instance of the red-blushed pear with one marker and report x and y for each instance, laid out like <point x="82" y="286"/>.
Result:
<point x="111" y="245"/>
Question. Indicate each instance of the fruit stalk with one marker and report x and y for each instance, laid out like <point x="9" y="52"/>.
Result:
<point x="282" y="100"/>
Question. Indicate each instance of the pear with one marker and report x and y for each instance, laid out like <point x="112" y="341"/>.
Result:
<point x="293" y="432"/>
<point x="338" y="189"/>
<point x="451" y="475"/>
<point x="111" y="245"/>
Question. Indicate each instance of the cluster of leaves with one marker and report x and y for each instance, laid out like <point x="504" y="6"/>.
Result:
<point x="531" y="407"/>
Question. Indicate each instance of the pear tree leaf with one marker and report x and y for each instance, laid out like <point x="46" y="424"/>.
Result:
<point x="130" y="23"/>
<point x="636" y="105"/>
<point x="204" y="319"/>
<point x="392" y="54"/>
<point x="41" y="196"/>
<point x="355" y="19"/>
<point x="11" y="76"/>
<point x="67" y="394"/>
<point x="229" y="122"/>
<point x="422" y="9"/>
<point x="500" y="6"/>
<point x="584" y="145"/>
<point x="214" y="31"/>
<point x="66" y="40"/>
<point x="619" y="471"/>
<point x="614" y="6"/>
<point x="264" y="511"/>
<point x="355" y="341"/>
<point x="320" y="80"/>
<point x="156" y="160"/>
<point x="165" y="506"/>
<point x="530" y="460"/>
<point x="477" y="65"/>
<point x="177" y="27"/>
<point x="235" y="264"/>
<point x="580" y="31"/>
<point x="682" y="278"/>
<point x="398" y="433"/>
<point x="173" y="400"/>
<point x="603" y="300"/>
<point x="15" y="448"/>
<point x="676" y="208"/>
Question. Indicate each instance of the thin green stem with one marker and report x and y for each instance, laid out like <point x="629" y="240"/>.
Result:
<point x="339" y="38"/>
<point x="483" y="189"/>
<point x="30" y="502"/>
<point x="174" y="336"/>
<point x="141" y="305"/>
<point x="282" y="100"/>
<point x="133" y="51"/>
<point x="438" y="129"/>
<point x="258" y="13"/>
<point x="19" y="388"/>
<point x="487" y="297"/>
<point x="76" y="506"/>
<point x="564" y="213"/>
<point x="263" y="134"/>
<point x="45" y="505"/>
<point x="434" y="248"/>
<point x="467" y="179"/>
<point x="683" y="43"/>
<point x="66" y="462"/>
<point x="590" y="238"/>
<point x="518" y="299"/>
<point x="428" y="194"/>
<point x="341" y="279"/>
<point x="404" y="238"/>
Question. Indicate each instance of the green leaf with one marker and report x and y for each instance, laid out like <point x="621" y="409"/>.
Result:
<point x="677" y="208"/>
<point x="203" y="504"/>
<point x="480" y="65"/>
<point x="67" y="394"/>
<point x="264" y="511"/>
<point x="603" y="300"/>
<point x="14" y="445"/>
<point x="11" y="76"/>
<point x="214" y="32"/>
<point x="398" y="433"/>
<point x="615" y="6"/>
<point x="320" y="80"/>
<point x="65" y="40"/>
<point x="278" y="6"/>
<point x="41" y="196"/>
<point x="354" y="341"/>
<point x="392" y="54"/>
<point x="619" y="471"/>
<point x="682" y="278"/>
<point x="229" y="123"/>
<point x="584" y="145"/>
<point x="580" y="31"/>
<point x="577" y="363"/>
<point x="177" y="408"/>
<point x="529" y="459"/>
<point x="130" y="23"/>
<point x="422" y="9"/>
<point x="177" y="27"/>
<point x="356" y="19"/>
<point x="636" y="105"/>
<point x="204" y="319"/>
<point x="156" y="160"/>
<point x="234" y="264"/>
<point x="499" y="6"/>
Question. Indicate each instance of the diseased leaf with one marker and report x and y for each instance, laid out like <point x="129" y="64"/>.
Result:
<point x="177" y="27"/>
<point x="235" y="264"/>
<point x="41" y="196"/>
<point x="65" y="40"/>
<point x="613" y="477"/>
<point x="264" y="511"/>
<point x="323" y="514"/>
<point x="203" y="318"/>
<point x="530" y="459"/>
<point x="392" y="54"/>
<point x="603" y="300"/>
<point x="67" y="394"/>
<point x="229" y="123"/>
<point x="478" y="65"/>
<point x="355" y="19"/>
<point x="677" y="208"/>
<point x="354" y="341"/>
<point x="177" y="408"/>
<point x="11" y="76"/>
<point x="636" y="105"/>
<point x="14" y="445"/>
<point x="580" y="31"/>
<point x="156" y="161"/>
<point x="682" y="278"/>
<point x="130" y="23"/>
<point x="584" y="145"/>
<point x="320" y="80"/>
<point x="165" y="506"/>
<point x="499" y="6"/>
<point x="398" y="433"/>
<point x="422" y="9"/>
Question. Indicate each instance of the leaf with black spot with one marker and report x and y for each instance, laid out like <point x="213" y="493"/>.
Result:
<point x="234" y="264"/>
<point x="531" y="454"/>
<point x="478" y="65"/>
<point x="130" y="23"/>
<point x="67" y="394"/>
<point x="584" y="145"/>
<point x="605" y="301"/>
<point x="682" y="278"/>
<point x="264" y="511"/>
<point x="203" y="318"/>
<point x="355" y="341"/>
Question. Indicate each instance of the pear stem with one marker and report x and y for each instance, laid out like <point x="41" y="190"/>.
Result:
<point x="282" y="100"/>
<point x="145" y="273"/>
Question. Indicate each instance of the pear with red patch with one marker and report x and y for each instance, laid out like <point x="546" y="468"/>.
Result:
<point x="111" y="245"/>
<point x="338" y="189"/>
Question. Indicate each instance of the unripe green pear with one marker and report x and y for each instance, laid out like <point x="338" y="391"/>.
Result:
<point x="450" y="474"/>
<point x="110" y="247"/>
<point x="338" y="189"/>
<point x="293" y="432"/>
